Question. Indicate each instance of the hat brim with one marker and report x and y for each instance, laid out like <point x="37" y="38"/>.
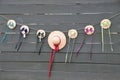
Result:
<point x="61" y="36"/>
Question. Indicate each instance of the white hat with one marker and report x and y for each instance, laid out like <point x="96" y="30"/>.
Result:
<point x="89" y="30"/>
<point x="24" y="30"/>
<point x="40" y="33"/>
<point x="72" y="33"/>
<point x="57" y="37"/>
<point x="105" y="23"/>
<point x="11" y="24"/>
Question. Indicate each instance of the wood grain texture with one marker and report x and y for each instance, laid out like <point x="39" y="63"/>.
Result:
<point x="61" y="15"/>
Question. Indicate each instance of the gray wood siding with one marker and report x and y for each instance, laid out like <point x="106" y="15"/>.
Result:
<point x="61" y="15"/>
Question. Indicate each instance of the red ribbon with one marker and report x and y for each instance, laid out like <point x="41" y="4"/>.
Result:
<point x="52" y="55"/>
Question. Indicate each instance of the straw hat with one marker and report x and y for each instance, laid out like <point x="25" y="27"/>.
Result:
<point x="72" y="33"/>
<point x="11" y="24"/>
<point x="57" y="38"/>
<point x="105" y="23"/>
<point x="89" y="30"/>
<point x="41" y="33"/>
<point x="24" y="30"/>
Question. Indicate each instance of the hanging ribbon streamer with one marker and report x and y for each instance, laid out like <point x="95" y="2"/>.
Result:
<point x="24" y="30"/>
<point x="66" y="57"/>
<point x="20" y="40"/>
<point x="4" y="36"/>
<point x="72" y="33"/>
<point x="40" y="35"/>
<point x="81" y="45"/>
<point x="11" y="24"/>
<point x="102" y="39"/>
<point x="106" y="24"/>
<point x="52" y="55"/>
<point x="111" y="46"/>
<point x="72" y="49"/>
<point x="88" y="30"/>
<point x="39" y="45"/>
<point x="56" y="41"/>
<point x="91" y="47"/>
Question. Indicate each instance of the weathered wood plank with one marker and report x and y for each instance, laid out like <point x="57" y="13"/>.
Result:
<point x="84" y="8"/>
<point x="58" y="75"/>
<point x="55" y="1"/>
<point x="58" y="67"/>
<point x="60" y="57"/>
<point x="61" y="15"/>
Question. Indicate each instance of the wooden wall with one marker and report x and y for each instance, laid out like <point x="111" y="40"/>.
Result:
<point x="61" y="15"/>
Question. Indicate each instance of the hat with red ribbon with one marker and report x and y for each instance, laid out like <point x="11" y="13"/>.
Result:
<point x="56" y="41"/>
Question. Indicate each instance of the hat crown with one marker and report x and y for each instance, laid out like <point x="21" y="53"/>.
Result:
<point x="56" y="40"/>
<point x="24" y="30"/>
<point x="72" y="33"/>
<point x="40" y="33"/>
<point x="89" y="30"/>
<point x="11" y="24"/>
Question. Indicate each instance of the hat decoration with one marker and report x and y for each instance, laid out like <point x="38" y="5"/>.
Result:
<point x="56" y="41"/>
<point x="11" y="24"/>
<point x="40" y="35"/>
<point x="72" y="34"/>
<point x="24" y="30"/>
<point x="105" y="25"/>
<point x="88" y="30"/>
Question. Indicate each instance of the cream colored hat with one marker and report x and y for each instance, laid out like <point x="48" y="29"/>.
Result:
<point x="89" y="30"/>
<point x="57" y="38"/>
<point x="40" y="34"/>
<point x="105" y="23"/>
<point x="72" y="33"/>
<point x="24" y="30"/>
<point x="11" y="24"/>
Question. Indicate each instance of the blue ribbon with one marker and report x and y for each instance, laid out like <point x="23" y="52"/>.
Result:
<point x="4" y="37"/>
<point x="20" y="40"/>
